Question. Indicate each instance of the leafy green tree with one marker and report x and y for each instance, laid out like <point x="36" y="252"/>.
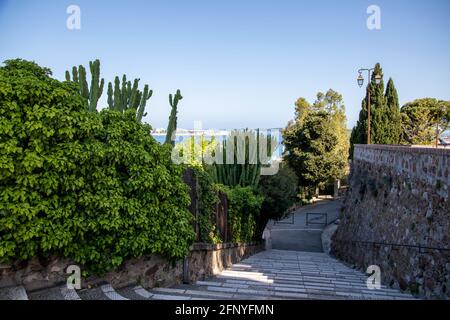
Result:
<point x="94" y="187"/>
<point x="317" y="144"/>
<point x="424" y="119"/>
<point x="302" y="109"/>
<point x="193" y="149"/>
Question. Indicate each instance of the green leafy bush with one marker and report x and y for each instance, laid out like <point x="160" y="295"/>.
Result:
<point x="94" y="187"/>
<point x="207" y="195"/>
<point x="280" y="193"/>
<point x="244" y="206"/>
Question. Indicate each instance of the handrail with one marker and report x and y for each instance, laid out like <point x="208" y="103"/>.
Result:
<point x="316" y="213"/>
<point x="395" y="245"/>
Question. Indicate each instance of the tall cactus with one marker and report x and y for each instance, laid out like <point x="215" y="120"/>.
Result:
<point x="93" y="93"/>
<point x="124" y="96"/>
<point x="172" y="126"/>
<point x="145" y="96"/>
<point x="241" y="162"/>
<point x="96" y="88"/>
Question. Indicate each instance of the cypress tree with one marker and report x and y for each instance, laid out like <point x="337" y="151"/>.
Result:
<point x="392" y="116"/>
<point x="359" y="131"/>
<point x="377" y="106"/>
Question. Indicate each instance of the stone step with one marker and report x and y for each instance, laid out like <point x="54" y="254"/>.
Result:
<point x="299" y="272"/>
<point x="102" y="292"/>
<point x="111" y="293"/>
<point x="272" y="292"/>
<point x="261" y="277"/>
<point x="56" y="293"/>
<point x="135" y="292"/>
<point x="293" y="280"/>
<point x="202" y="293"/>
<point x="282" y="289"/>
<point x="305" y="286"/>
<point x="13" y="293"/>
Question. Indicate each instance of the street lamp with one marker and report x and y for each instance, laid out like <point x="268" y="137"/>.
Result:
<point x="360" y="80"/>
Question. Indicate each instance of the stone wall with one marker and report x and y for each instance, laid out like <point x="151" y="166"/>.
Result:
<point x="151" y="271"/>
<point x="396" y="209"/>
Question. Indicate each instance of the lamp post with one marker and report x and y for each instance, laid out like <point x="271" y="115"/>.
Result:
<point x="360" y="83"/>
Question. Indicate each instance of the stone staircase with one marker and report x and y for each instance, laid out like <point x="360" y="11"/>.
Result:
<point x="273" y="274"/>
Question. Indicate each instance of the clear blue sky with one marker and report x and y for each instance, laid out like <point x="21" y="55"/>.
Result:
<point x="238" y="63"/>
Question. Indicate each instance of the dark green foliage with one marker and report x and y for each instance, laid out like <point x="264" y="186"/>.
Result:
<point x="310" y="147"/>
<point x="94" y="187"/>
<point x="172" y="125"/>
<point x="279" y="192"/>
<point x="422" y="118"/>
<point x="244" y="206"/>
<point x="385" y="114"/>
<point x="90" y="94"/>
<point x="392" y="120"/>
<point x="317" y="143"/>
<point x="359" y="132"/>
<point x="124" y="96"/>
<point x="207" y="195"/>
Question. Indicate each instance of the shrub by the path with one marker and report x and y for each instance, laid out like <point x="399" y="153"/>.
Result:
<point x="244" y="206"/>
<point x="95" y="187"/>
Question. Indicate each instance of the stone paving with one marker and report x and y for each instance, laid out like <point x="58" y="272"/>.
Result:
<point x="272" y="274"/>
<point x="293" y="233"/>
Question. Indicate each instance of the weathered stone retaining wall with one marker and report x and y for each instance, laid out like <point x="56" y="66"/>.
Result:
<point x="151" y="271"/>
<point x="398" y="199"/>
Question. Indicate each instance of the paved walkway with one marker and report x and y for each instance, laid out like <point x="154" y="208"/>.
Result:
<point x="293" y="233"/>
<point x="306" y="273"/>
<point x="273" y="274"/>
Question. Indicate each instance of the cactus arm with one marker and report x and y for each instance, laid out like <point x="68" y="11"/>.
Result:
<point x="145" y="96"/>
<point x="75" y="74"/>
<point x="67" y="75"/>
<point x="117" y="105"/>
<point x="100" y="90"/>
<point x="123" y="93"/>
<point x="110" y="96"/>
<point x="172" y="126"/>
<point x="134" y="100"/>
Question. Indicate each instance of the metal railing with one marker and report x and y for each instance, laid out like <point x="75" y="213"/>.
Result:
<point x="311" y="221"/>
<point x="396" y="245"/>
<point x="286" y="221"/>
